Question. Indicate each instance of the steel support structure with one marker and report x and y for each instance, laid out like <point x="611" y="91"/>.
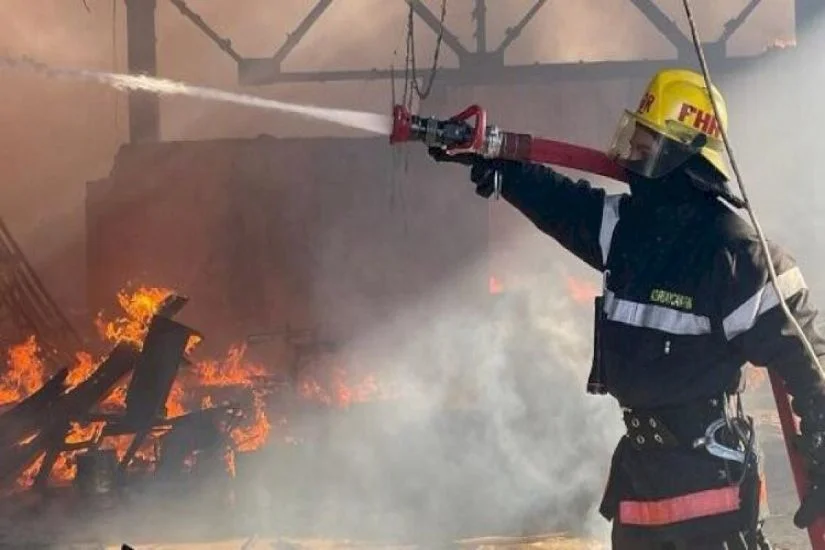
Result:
<point x="485" y="64"/>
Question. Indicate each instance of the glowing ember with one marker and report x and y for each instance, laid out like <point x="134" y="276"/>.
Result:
<point x="229" y="458"/>
<point x="340" y="393"/>
<point x="581" y="291"/>
<point x="495" y="286"/>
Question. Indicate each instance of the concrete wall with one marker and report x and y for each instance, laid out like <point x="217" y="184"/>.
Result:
<point x="266" y="232"/>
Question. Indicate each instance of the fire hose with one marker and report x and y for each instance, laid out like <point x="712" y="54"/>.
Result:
<point x="457" y="135"/>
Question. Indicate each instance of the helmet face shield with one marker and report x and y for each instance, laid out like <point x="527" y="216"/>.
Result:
<point x="654" y="153"/>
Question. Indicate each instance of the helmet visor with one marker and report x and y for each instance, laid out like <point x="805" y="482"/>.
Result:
<point x="653" y="153"/>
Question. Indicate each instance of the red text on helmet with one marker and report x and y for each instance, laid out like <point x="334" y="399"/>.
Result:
<point x="702" y="121"/>
<point x="646" y="103"/>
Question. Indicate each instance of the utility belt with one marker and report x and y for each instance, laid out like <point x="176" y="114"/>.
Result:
<point x="705" y="425"/>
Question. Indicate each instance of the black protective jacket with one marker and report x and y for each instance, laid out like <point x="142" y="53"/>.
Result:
<point x="687" y="302"/>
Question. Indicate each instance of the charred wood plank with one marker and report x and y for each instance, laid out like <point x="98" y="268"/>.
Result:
<point x="155" y="371"/>
<point x="70" y="406"/>
<point x="25" y="418"/>
<point x="15" y="460"/>
<point x="78" y="401"/>
<point x="172" y="305"/>
<point x="54" y="445"/>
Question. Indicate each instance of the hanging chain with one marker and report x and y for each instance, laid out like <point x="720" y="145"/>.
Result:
<point x="410" y="69"/>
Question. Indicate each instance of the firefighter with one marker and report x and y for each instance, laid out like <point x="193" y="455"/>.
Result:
<point x="686" y="303"/>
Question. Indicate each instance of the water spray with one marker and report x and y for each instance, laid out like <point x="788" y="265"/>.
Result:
<point x="359" y="120"/>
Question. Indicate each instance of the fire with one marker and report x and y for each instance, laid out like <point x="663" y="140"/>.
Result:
<point x="200" y="386"/>
<point x="494" y="286"/>
<point x="65" y="469"/>
<point x="116" y="400"/>
<point x="139" y="307"/>
<point x="581" y="291"/>
<point x="25" y="374"/>
<point x="232" y="371"/>
<point x="340" y="393"/>
<point x="249" y="438"/>
<point x="83" y="368"/>
<point x="26" y="479"/>
<point x="174" y="403"/>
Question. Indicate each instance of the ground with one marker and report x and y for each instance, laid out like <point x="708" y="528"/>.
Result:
<point x="45" y="525"/>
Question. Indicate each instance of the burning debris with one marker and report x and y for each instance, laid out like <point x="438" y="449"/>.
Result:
<point x="146" y="407"/>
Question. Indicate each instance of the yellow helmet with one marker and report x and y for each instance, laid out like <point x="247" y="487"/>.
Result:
<point x="674" y="121"/>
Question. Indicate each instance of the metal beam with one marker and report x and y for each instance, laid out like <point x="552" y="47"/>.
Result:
<point x="144" y="107"/>
<point x="664" y="25"/>
<point x="434" y="23"/>
<point x="514" y="32"/>
<point x="733" y="24"/>
<point x="480" y="15"/>
<point x="223" y="43"/>
<point x="259" y="72"/>
<point x="293" y="38"/>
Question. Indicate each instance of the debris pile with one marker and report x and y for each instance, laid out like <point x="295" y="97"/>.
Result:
<point x="146" y="407"/>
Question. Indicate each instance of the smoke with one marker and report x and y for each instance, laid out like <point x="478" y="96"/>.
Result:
<point x="775" y="115"/>
<point x="489" y="432"/>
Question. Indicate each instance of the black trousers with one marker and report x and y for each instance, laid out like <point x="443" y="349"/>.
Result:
<point x="621" y="539"/>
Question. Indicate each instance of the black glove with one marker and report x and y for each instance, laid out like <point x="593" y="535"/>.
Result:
<point x="482" y="169"/>
<point x="812" y="446"/>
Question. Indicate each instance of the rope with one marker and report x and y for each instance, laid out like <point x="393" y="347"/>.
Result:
<point x="763" y="242"/>
<point x="114" y="70"/>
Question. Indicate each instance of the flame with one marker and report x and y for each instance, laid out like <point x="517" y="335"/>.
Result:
<point x="116" y="400"/>
<point x="495" y="286"/>
<point x="174" y="403"/>
<point x="139" y="307"/>
<point x="207" y="380"/>
<point x="28" y="476"/>
<point x="249" y="438"/>
<point x="229" y="457"/>
<point x="232" y="371"/>
<point x="25" y="374"/>
<point x="340" y="393"/>
<point x="82" y="369"/>
<point x="65" y="468"/>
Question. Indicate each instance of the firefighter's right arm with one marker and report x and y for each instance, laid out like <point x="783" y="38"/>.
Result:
<point x="574" y="213"/>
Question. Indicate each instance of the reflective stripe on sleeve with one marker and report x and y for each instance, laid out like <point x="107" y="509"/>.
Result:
<point x="744" y="317"/>
<point x="610" y="217"/>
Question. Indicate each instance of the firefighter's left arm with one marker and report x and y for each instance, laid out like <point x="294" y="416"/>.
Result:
<point x="754" y="324"/>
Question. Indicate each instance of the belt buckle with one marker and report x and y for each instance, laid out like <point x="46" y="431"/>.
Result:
<point x="712" y="446"/>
